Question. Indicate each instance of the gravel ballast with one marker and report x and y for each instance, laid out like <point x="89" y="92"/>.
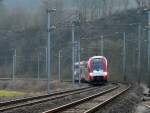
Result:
<point x="125" y="103"/>
<point x="51" y="104"/>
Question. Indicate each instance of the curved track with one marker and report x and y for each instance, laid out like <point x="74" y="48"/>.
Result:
<point x="8" y="105"/>
<point x="45" y="102"/>
<point x="91" y="103"/>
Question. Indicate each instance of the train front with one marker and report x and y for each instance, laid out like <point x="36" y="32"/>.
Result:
<point x="97" y="70"/>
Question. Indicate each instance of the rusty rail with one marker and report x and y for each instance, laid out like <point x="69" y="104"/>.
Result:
<point x="61" y="108"/>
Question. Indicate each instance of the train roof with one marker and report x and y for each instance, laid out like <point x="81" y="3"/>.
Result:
<point x="98" y="57"/>
<point x="95" y="57"/>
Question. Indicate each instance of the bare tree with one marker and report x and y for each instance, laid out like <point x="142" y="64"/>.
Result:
<point x="110" y="6"/>
<point x="104" y="7"/>
<point x="3" y="14"/>
<point x="126" y="4"/>
<point x="140" y="3"/>
<point x="82" y="9"/>
<point x="146" y="3"/>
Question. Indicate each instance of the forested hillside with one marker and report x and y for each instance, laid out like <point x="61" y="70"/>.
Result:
<point x="26" y="32"/>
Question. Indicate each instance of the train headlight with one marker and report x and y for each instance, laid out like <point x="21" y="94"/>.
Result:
<point x="105" y="73"/>
<point x="91" y="74"/>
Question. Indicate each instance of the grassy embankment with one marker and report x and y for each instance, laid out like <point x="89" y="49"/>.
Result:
<point x="5" y="93"/>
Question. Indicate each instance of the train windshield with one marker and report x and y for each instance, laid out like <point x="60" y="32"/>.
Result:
<point x="97" y="64"/>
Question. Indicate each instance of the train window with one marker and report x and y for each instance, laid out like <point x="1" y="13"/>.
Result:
<point x="97" y="64"/>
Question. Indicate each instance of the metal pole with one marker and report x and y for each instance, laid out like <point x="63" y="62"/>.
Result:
<point x="139" y="53"/>
<point x="6" y="63"/>
<point x="49" y="54"/>
<point x="102" y="45"/>
<point x="149" y="50"/>
<point x="79" y="62"/>
<point x="14" y="64"/>
<point x="148" y="42"/>
<point x="38" y="67"/>
<point x="46" y="58"/>
<point x="49" y="48"/>
<point x="73" y="62"/>
<point x="124" y="56"/>
<point x="13" y="74"/>
<point x="59" y="65"/>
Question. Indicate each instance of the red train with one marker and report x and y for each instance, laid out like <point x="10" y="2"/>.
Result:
<point x="97" y="69"/>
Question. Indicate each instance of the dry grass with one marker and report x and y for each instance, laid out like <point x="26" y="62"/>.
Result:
<point x="6" y="93"/>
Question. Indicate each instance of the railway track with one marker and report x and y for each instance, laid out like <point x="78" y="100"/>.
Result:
<point x="91" y="103"/>
<point x="41" y="103"/>
<point x="8" y="105"/>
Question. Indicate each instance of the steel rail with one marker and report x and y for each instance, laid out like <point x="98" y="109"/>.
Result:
<point x="95" y="108"/>
<point x="148" y="106"/>
<point x="31" y="102"/>
<point x="61" y="108"/>
<point x="38" y="97"/>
